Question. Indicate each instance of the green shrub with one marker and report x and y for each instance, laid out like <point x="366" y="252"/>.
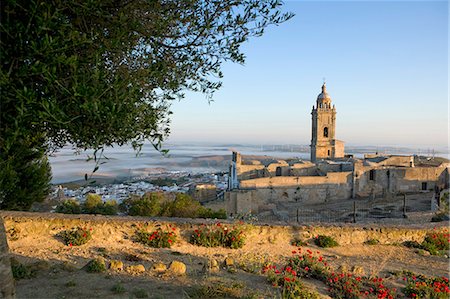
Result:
<point x="153" y="204"/>
<point x="158" y="238"/>
<point x="118" y="288"/>
<point x="21" y="271"/>
<point x="411" y="244"/>
<point x="436" y="242"/>
<point x="96" y="265"/>
<point x="76" y="236"/>
<point x="109" y="207"/>
<point x="140" y="293"/>
<point x="91" y="203"/>
<point x="95" y="205"/>
<point x="372" y="242"/>
<point x="298" y="242"/>
<point x="211" y="214"/>
<point x="218" y="234"/>
<point x="69" y="206"/>
<point x="71" y="284"/>
<point x="182" y="206"/>
<point x="325" y="241"/>
<point x="440" y="216"/>
<point x="147" y="205"/>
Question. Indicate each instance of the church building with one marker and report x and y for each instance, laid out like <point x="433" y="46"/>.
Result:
<point x="323" y="142"/>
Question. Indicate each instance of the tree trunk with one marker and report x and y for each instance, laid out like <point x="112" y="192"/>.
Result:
<point x="7" y="288"/>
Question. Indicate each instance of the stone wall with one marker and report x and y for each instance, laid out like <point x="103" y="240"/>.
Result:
<point x="245" y="172"/>
<point x="46" y="223"/>
<point x="205" y="192"/>
<point x="262" y="192"/>
<point x="379" y="181"/>
<point x="338" y="148"/>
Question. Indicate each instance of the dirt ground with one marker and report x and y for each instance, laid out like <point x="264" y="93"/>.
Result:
<point x="58" y="269"/>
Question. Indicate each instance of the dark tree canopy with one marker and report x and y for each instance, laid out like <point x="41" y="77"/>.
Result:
<point x="102" y="72"/>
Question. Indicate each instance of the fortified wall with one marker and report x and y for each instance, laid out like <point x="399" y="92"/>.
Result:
<point x="261" y="186"/>
<point x="258" y="185"/>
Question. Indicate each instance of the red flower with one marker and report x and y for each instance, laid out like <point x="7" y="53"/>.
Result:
<point x="306" y="268"/>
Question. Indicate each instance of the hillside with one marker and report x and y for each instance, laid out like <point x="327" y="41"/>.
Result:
<point x="58" y="269"/>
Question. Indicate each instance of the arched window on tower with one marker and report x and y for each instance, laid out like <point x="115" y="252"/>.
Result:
<point x="325" y="132"/>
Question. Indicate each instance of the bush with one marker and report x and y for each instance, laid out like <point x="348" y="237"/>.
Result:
<point x="95" y="205"/>
<point x="183" y="206"/>
<point x="372" y="242"/>
<point x="153" y="204"/>
<point x="97" y="265"/>
<point x="118" y="288"/>
<point x="158" y="238"/>
<point x="109" y="207"/>
<point x="436" y="242"/>
<point x="440" y="216"/>
<point x="147" y="205"/>
<point x="140" y="293"/>
<point x="21" y="271"/>
<point x="218" y="235"/>
<point x="411" y="244"/>
<point x="422" y="287"/>
<point x="208" y="213"/>
<point x="91" y="203"/>
<point x="325" y="241"/>
<point x="69" y="206"/>
<point x="76" y="236"/>
<point x="298" y="242"/>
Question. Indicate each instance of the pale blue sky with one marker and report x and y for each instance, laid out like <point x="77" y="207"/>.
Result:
<point x="386" y="67"/>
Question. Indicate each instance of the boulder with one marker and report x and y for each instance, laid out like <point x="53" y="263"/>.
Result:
<point x="177" y="268"/>
<point x="136" y="269"/>
<point x="212" y="266"/>
<point x="159" y="267"/>
<point x="116" y="265"/>
<point x="229" y="262"/>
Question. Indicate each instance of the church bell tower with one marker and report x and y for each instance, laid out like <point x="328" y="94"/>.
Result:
<point x="323" y="142"/>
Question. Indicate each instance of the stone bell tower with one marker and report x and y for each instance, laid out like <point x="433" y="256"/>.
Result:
<point x="323" y="142"/>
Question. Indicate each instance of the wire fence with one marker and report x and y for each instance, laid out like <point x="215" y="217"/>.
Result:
<point x="358" y="213"/>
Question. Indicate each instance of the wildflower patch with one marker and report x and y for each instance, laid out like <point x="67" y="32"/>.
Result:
<point x="219" y="235"/>
<point x="76" y="236"/>
<point x="159" y="238"/>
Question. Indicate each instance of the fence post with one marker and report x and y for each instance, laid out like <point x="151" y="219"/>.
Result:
<point x="297" y="216"/>
<point x="354" y="211"/>
<point x="404" y="206"/>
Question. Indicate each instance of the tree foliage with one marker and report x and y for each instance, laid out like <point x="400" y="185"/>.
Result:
<point x="99" y="73"/>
